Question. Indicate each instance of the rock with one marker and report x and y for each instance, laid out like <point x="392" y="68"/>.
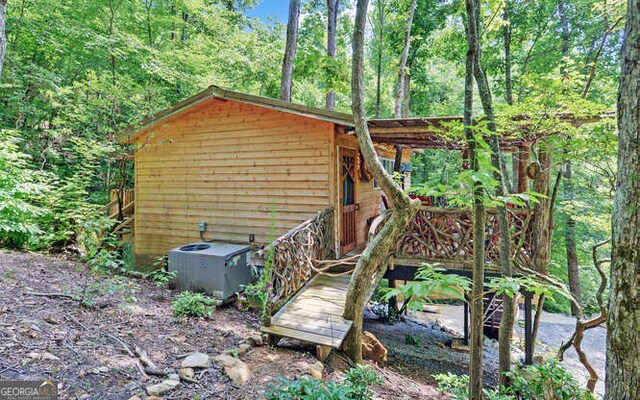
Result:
<point x="236" y="370"/>
<point x="225" y="360"/>
<point x="316" y="370"/>
<point x="196" y="360"/>
<point x="372" y="348"/>
<point x="135" y="398"/>
<point x="153" y="398"/>
<point x="161" y="388"/>
<point x="34" y="355"/>
<point x="243" y="349"/>
<point x="238" y="373"/>
<point x="255" y="340"/>
<point x="49" y="356"/>
<point x="187" y="373"/>
<point x="173" y="377"/>
<point x="271" y="357"/>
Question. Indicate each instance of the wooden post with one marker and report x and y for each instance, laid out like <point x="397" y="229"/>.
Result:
<point x="524" y="157"/>
<point x="466" y="319"/>
<point x="528" y="329"/>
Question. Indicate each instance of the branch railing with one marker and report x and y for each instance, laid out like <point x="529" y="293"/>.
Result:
<point x="291" y="256"/>
<point x="445" y="235"/>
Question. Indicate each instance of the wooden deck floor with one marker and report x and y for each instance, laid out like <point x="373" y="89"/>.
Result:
<point x="314" y="315"/>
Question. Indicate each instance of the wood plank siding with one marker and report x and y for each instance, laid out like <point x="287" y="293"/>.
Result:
<point x="241" y="168"/>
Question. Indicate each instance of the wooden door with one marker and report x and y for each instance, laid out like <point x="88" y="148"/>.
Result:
<point x="348" y="204"/>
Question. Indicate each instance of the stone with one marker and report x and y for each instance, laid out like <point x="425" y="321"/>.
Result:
<point x="196" y="360"/>
<point x="372" y="348"/>
<point x="225" y="360"/>
<point x="34" y="355"/>
<point x="187" y="373"/>
<point x="315" y="370"/>
<point x="161" y="388"/>
<point x="238" y="371"/>
<point x="49" y="356"/>
<point x="243" y="349"/>
<point x="271" y="357"/>
<point x="153" y="398"/>
<point x="173" y="377"/>
<point x="255" y="340"/>
<point x="135" y="398"/>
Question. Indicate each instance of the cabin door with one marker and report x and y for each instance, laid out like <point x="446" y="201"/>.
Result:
<point x="348" y="205"/>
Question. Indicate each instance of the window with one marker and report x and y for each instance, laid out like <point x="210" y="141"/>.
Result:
<point x="388" y="164"/>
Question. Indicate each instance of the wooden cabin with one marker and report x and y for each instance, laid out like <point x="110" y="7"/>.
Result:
<point x="252" y="168"/>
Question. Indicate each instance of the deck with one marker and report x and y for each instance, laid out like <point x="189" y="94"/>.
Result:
<point x="314" y="314"/>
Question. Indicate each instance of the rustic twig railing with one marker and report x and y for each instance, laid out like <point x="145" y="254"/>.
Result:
<point x="292" y="256"/>
<point x="444" y="235"/>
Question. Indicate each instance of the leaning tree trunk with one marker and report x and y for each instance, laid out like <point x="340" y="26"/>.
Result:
<point x="371" y="264"/>
<point x="3" y="37"/>
<point x="623" y="322"/>
<point x="381" y="6"/>
<point x="290" y="51"/>
<point x="402" y="71"/>
<point x="476" y="306"/>
<point x="332" y="19"/>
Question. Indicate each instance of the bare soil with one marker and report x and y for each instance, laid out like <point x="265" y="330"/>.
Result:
<point x="89" y="350"/>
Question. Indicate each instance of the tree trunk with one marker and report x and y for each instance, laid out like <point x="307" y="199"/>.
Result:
<point x="507" y="55"/>
<point x="332" y="19"/>
<point x="623" y="343"/>
<point x="290" y="51"/>
<point x="381" y="6"/>
<point x="573" y="271"/>
<point x="402" y="70"/>
<point x="372" y="263"/>
<point x="3" y="37"/>
<point x="475" y="303"/>
<point x="497" y="160"/>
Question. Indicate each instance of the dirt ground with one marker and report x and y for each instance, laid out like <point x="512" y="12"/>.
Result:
<point x="90" y="351"/>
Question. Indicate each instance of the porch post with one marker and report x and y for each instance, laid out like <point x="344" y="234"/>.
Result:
<point x="466" y="319"/>
<point x="524" y="157"/>
<point x="528" y="329"/>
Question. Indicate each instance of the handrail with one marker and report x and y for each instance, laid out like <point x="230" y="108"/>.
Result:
<point x="292" y="255"/>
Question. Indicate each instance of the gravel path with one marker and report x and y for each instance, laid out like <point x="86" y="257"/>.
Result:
<point x="554" y="329"/>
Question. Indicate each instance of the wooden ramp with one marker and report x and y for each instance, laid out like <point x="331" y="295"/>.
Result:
<point x="314" y="314"/>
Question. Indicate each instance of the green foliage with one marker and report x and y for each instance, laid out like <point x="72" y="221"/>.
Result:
<point x="546" y="381"/>
<point x="160" y="275"/>
<point x="355" y="386"/>
<point x="18" y="190"/>
<point x="190" y="304"/>
<point x="431" y="280"/>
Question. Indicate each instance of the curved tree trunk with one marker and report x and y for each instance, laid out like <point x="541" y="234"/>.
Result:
<point x="623" y="321"/>
<point x="372" y="263"/>
<point x="290" y="51"/>
<point x="332" y="19"/>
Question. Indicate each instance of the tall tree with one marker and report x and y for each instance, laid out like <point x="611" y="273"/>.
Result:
<point x="371" y="265"/>
<point x="3" y="37"/>
<point x="290" y="50"/>
<point x="332" y="19"/>
<point x="623" y="321"/>
<point x="402" y="69"/>
<point x="475" y="303"/>
<point x="381" y="4"/>
<point x="497" y="161"/>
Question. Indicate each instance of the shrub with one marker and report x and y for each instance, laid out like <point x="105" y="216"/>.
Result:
<point x="355" y="386"/>
<point x="193" y="304"/>
<point x="548" y="381"/>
